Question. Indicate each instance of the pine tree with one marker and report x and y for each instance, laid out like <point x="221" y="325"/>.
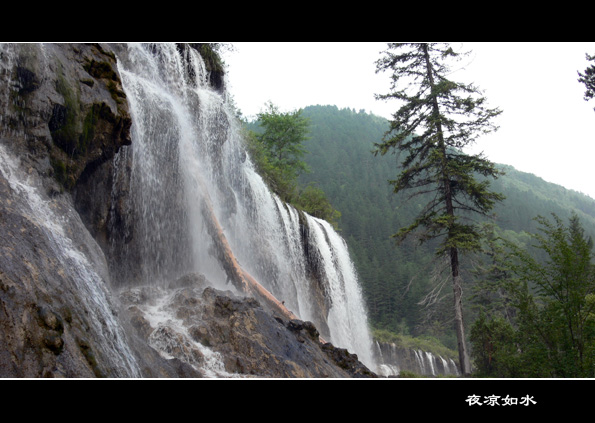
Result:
<point x="588" y="78"/>
<point x="438" y="118"/>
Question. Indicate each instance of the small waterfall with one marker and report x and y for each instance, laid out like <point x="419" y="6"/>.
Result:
<point x="392" y="360"/>
<point x="431" y="360"/>
<point x="386" y="366"/>
<point x="85" y="272"/>
<point x="187" y="149"/>
<point x="347" y="308"/>
<point x="420" y="362"/>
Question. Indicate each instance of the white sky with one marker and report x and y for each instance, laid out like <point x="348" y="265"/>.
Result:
<point x="546" y="127"/>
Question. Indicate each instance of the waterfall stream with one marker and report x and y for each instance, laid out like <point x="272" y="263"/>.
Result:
<point x="187" y="150"/>
<point x="393" y="359"/>
<point x="187" y="146"/>
<point x="85" y="271"/>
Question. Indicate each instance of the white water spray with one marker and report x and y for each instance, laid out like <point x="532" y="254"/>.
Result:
<point x="187" y="141"/>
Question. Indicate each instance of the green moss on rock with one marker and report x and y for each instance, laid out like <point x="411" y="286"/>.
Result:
<point x="104" y="70"/>
<point x="62" y="173"/>
<point x="100" y="70"/>
<point x="64" y="119"/>
<point x="89" y="355"/>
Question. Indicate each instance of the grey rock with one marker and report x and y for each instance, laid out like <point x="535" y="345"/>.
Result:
<point x="250" y="341"/>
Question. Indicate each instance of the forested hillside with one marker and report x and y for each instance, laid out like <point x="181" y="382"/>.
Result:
<point x="397" y="278"/>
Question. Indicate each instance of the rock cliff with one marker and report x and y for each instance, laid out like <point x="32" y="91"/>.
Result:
<point x="64" y="120"/>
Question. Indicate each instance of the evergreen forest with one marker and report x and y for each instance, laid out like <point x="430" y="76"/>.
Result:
<point x="405" y="286"/>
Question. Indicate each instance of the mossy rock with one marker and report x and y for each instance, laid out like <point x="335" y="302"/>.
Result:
<point x="105" y="71"/>
<point x="64" y="174"/>
<point x="101" y="70"/>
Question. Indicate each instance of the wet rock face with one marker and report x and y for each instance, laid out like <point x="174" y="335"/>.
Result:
<point x="65" y="114"/>
<point x="44" y="323"/>
<point x="222" y="335"/>
<point x="64" y="117"/>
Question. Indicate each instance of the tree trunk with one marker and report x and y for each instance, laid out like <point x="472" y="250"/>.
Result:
<point x="240" y="278"/>
<point x="454" y="254"/>
<point x="458" y="305"/>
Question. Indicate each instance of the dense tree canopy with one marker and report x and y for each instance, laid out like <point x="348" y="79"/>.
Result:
<point x="396" y="278"/>
<point x="547" y="328"/>
<point x="277" y="148"/>
<point x="275" y="144"/>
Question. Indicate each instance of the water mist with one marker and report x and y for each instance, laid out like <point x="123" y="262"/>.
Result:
<point x="187" y="149"/>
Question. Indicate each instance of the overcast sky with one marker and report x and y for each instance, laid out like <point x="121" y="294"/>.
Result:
<point x="546" y="128"/>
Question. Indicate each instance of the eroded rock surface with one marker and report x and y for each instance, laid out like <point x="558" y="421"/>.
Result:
<point x="222" y="334"/>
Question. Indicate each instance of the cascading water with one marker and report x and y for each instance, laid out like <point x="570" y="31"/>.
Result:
<point x="392" y="360"/>
<point x="187" y="148"/>
<point x="62" y="243"/>
<point x="345" y="316"/>
<point x="77" y="267"/>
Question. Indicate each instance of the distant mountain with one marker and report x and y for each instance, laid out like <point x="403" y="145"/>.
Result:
<point x="529" y="195"/>
<point x="355" y="182"/>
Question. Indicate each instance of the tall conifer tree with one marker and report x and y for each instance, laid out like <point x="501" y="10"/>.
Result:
<point x="437" y="119"/>
<point x="588" y="78"/>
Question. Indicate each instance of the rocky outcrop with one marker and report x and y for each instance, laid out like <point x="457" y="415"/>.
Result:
<point x="54" y="306"/>
<point x="66" y="116"/>
<point x="59" y="317"/>
<point x="225" y="335"/>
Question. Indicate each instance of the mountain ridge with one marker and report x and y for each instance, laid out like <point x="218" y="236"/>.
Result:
<point x="356" y="184"/>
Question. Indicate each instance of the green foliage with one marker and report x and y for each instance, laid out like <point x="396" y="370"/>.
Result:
<point x="494" y="353"/>
<point x="588" y="78"/>
<point x="275" y="177"/>
<point x="395" y="278"/>
<point x="424" y="343"/>
<point x="551" y="329"/>
<point x="431" y="127"/>
<point x="314" y="202"/>
<point x="276" y="148"/>
<point x="211" y="56"/>
<point x="282" y="137"/>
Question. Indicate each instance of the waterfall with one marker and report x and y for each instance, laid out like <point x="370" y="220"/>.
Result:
<point x="430" y="359"/>
<point x="79" y="266"/>
<point x="186" y="149"/>
<point x="393" y="359"/>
